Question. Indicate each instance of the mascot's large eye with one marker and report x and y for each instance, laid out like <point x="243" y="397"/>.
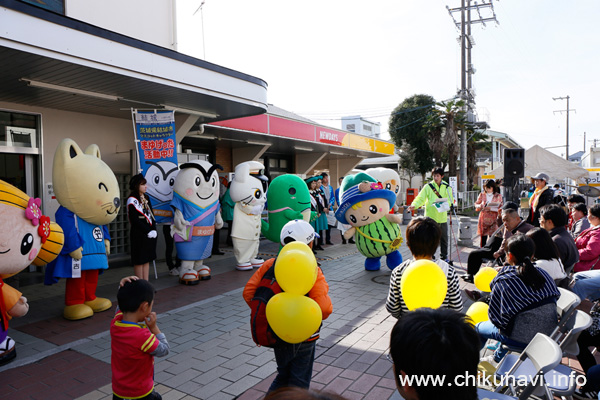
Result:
<point x="292" y="191"/>
<point x="197" y="181"/>
<point x="26" y="243"/>
<point x="171" y="182"/>
<point x="102" y="185"/>
<point x="388" y="186"/>
<point x="373" y="209"/>
<point x="156" y="179"/>
<point x="352" y="219"/>
<point x="214" y="182"/>
<point x="257" y="193"/>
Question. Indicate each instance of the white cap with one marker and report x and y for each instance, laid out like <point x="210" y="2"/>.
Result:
<point x="297" y="230"/>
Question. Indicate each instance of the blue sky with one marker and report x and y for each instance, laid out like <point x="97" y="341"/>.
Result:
<point x="327" y="59"/>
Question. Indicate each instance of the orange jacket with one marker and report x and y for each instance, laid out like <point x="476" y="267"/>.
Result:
<point x="318" y="292"/>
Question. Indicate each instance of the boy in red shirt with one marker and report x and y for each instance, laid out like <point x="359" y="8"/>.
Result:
<point x="135" y="340"/>
<point x="295" y="361"/>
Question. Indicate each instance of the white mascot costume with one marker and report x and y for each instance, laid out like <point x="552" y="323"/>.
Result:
<point x="196" y="216"/>
<point x="390" y="181"/>
<point x="248" y="191"/>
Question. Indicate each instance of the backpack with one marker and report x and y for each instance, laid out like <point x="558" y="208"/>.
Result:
<point x="262" y="334"/>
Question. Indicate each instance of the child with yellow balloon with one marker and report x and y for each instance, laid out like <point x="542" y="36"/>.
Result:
<point x="295" y="314"/>
<point x="422" y="282"/>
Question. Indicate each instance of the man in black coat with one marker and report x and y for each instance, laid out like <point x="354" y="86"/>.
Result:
<point x="554" y="219"/>
<point x="542" y="195"/>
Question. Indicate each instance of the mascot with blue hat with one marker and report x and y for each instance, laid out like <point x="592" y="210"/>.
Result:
<point x="365" y="205"/>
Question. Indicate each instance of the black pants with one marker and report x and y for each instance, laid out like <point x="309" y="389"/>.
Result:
<point x="444" y="241"/>
<point x="585" y="357"/>
<point x="328" y="234"/>
<point x="169" y="246"/>
<point x="476" y="257"/>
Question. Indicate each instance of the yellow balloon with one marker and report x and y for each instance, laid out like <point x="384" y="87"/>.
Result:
<point x="478" y="312"/>
<point x="423" y="284"/>
<point x="484" y="277"/>
<point x="296" y="268"/>
<point x="294" y="318"/>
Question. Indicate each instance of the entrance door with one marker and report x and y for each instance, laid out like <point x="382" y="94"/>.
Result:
<point x="19" y="171"/>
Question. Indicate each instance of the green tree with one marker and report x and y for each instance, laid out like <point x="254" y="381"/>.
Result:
<point x="443" y="124"/>
<point x="478" y="140"/>
<point x="408" y="163"/>
<point x="407" y="126"/>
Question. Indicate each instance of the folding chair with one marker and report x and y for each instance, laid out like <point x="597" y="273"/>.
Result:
<point x="543" y="355"/>
<point x="565" y="306"/>
<point x="559" y="380"/>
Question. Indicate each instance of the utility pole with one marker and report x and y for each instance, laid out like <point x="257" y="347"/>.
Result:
<point x="561" y="111"/>
<point x="584" y="142"/>
<point x="466" y="90"/>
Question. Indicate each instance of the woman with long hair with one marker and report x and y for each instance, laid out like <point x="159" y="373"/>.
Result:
<point x="142" y="234"/>
<point x="522" y="301"/>
<point x="588" y="243"/>
<point x="488" y="203"/>
<point x="546" y="254"/>
<point x="316" y="207"/>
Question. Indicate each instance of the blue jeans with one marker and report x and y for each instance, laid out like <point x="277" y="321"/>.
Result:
<point x="587" y="285"/>
<point x="488" y="330"/>
<point x="294" y="365"/>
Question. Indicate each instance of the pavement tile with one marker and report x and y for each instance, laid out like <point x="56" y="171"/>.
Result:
<point x="178" y="380"/>
<point x="345" y="360"/>
<point x="213" y="387"/>
<point x="350" y="395"/>
<point x="380" y="367"/>
<point x="326" y="359"/>
<point x="364" y="383"/>
<point x="239" y="372"/>
<point x="251" y="394"/>
<point x="360" y="367"/>
<point x="242" y="385"/>
<point x="387" y="383"/>
<point x="338" y="385"/>
<point x="261" y="359"/>
<point x="209" y="364"/>
<point x="266" y="370"/>
<point x="378" y="393"/>
<point x="327" y="374"/>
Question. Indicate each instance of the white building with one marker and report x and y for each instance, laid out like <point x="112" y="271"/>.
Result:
<point x="362" y="126"/>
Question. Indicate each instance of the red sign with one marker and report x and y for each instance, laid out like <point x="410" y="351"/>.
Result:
<point x="256" y="123"/>
<point x="292" y="129"/>
<point x="330" y="136"/>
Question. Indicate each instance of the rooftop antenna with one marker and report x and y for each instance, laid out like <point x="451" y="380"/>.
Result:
<point x="202" y="23"/>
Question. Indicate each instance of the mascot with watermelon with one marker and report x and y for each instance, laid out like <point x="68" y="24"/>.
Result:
<point x="365" y="204"/>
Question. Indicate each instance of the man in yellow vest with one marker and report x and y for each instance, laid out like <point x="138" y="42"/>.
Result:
<point x="435" y="208"/>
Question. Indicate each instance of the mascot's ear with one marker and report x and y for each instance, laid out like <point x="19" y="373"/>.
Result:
<point x="68" y="149"/>
<point x="241" y="172"/>
<point x="93" y="150"/>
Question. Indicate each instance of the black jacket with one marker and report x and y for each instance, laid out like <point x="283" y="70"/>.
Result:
<point x="546" y="197"/>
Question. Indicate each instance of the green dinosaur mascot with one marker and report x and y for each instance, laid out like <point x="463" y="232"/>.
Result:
<point x="287" y="199"/>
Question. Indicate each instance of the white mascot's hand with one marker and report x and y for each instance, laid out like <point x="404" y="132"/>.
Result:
<point x="77" y="254"/>
<point x="179" y="222"/>
<point x="152" y="234"/>
<point x="218" y="221"/>
<point x="107" y="246"/>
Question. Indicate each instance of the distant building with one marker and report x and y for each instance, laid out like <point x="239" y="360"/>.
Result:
<point x="362" y="126"/>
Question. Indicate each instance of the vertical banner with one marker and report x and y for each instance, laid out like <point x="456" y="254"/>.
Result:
<point x="453" y="182"/>
<point x="157" y="155"/>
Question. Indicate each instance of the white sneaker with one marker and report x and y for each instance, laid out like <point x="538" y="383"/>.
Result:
<point x="244" y="267"/>
<point x="174" y="272"/>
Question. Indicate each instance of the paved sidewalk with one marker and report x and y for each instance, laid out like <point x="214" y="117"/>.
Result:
<point x="212" y="353"/>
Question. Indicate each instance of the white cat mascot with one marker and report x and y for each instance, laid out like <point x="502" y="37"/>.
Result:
<point x="249" y="192"/>
<point x="390" y="181"/>
<point x="196" y="216"/>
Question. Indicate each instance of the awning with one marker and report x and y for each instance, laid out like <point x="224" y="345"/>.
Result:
<point x="50" y="60"/>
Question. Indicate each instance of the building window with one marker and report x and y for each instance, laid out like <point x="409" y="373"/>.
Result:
<point x="19" y="130"/>
<point x="367" y="128"/>
<point x="351" y="127"/>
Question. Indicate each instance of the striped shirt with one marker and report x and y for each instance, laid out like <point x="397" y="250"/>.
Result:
<point x="395" y="303"/>
<point x="510" y="295"/>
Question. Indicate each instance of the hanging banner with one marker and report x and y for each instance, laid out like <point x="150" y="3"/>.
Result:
<point x="157" y="155"/>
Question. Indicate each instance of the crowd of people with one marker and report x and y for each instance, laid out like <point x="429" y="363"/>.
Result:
<point x="552" y="246"/>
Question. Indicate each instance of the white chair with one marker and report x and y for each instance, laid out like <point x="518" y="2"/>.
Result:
<point x="559" y="380"/>
<point x="543" y="354"/>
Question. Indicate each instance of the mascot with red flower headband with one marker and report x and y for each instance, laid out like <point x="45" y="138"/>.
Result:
<point x="365" y="204"/>
<point x="26" y="237"/>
